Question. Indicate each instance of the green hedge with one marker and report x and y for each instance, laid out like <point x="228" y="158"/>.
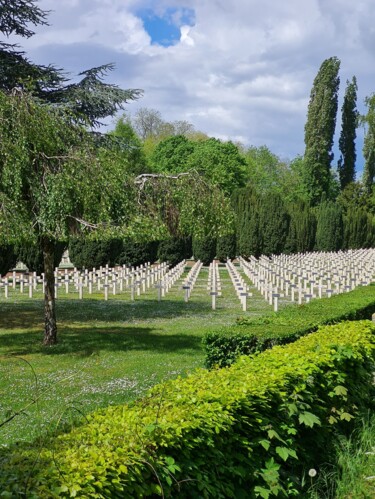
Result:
<point x="89" y="254"/>
<point x="174" y="250"/>
<point x="32" y="256"/>
<point x="8" y="258"/>
<point x="251" y="430"/>
<point x="223" y="346"/>
<point x="204" y="249"/>
<point x="226" y="247"/>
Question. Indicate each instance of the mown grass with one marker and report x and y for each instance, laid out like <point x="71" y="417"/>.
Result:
<point x="108" y="352"/>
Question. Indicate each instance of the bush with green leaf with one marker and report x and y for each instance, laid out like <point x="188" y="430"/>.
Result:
<point x="174" y="250"/>
<point x="204" y="249"/>
<point x="226" y="247"/>
<point x="224" y="345"/>
<point x="32" y="255"/>
<point x="251" y="430"/>
<point x="89" y="254"/>
<point x="8" y="258"/>
<point x="136" y="253"/>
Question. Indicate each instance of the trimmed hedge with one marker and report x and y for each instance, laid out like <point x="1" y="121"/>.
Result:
<point x="224" y="345"/>
<point x="87" y="253"/>
<point x="32" y="256"/>
<point x="226" y="247"/>
<point x="136" y="253"/>
<point x="174" y="250"/>
<point x="8" y="258"/>
<point x="251" y="430"/>
<point x="204" y="249"/>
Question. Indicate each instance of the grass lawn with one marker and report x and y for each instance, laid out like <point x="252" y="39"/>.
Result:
<point x="108" y="352"/>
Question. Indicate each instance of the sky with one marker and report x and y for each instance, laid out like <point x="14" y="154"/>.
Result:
<point x="239" y="70"/>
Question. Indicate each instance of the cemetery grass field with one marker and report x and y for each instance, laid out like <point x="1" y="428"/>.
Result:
<point x="108" y="352"/>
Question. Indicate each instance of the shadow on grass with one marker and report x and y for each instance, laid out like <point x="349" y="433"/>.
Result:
<point x="29" y="314"/>
<point x="87" y="341"/>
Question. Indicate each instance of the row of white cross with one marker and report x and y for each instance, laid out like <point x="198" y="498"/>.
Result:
<point x="165" y="284"/>
<point x="190" y="280"/>
<point x="301" y="276"/>
<point x="310" y="275"/>
<point x="214" y="283"/>
<point x="117" y="279"/>
<point x="240" y="286"/>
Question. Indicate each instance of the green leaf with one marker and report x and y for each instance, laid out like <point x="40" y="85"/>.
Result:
<point x="345" y="416"/>
<point x="340" y="390"/>
<point x="283" y="452"/>
<point x="308" y="419"/>
<point x="265" y="444"/>
<point x="262" y="492"/>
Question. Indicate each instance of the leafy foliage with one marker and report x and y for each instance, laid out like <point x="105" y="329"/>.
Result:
<point x="8" y="258"/>
<point x="330" y="228"/>
<point x="320" y="129"/>
<point x="174" y="250"/>
<point x="226" y="247"/>
<point x="346" y="164"/>
<point x="32" y="255"/>
<point x="369" y="144"/>
<point x="204" y="249"/>
<point x="238" y="432"/>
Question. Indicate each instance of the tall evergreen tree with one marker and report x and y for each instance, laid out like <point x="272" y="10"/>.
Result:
<point x="369" y="144"/>
<point x="330" y="229"/>
<point x="320" y="129"/>
<point x="274" y="224"/>
<point x="346" y="163"/>
<point x="246" y="207"/>
<point x="302" y="228"/>
<point x="86" y="102"/>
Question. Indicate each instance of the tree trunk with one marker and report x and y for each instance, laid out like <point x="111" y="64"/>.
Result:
<point x="50" y="328"/>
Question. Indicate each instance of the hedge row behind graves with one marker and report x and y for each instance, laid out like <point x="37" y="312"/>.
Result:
<point x="248" y="336"/>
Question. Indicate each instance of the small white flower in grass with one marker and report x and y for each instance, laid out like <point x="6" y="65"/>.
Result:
<point x="312" y="472"/>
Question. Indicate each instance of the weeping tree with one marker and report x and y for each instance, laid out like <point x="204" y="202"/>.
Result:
<point x="186" y="204"/>
<point x="53" y="182"/>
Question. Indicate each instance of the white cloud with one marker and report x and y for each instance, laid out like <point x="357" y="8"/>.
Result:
<point x="245" y="69"/>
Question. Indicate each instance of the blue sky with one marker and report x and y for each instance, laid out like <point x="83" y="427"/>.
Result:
<point x="164" y="27"/>
<point x="238" y="70"/>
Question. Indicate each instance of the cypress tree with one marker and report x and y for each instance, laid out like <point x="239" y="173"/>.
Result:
<point x="357" y="227"/>
<point x="226" y="247"/>
<point x="302" y="229"/>
<point x="330" y="228"/>
<point x="369" y="144"/>
<point x="246" y="207"/>
<point x="346" y="163"/>
<point x="274" y="225"/>
<point x="320" y="129"/>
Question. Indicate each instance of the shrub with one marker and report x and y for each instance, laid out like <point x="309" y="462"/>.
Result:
<point x="204" y="249"/>
<point x="136" y="253"/>
<point x="8" y="259"/>
<point x="251" y="430"/>
<point x="89" y="254"/>
<point x="223" y="346"/>
<point x="174" y="250"/>
<point x="32" y="256"/>
<point x="226" y="247"/>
